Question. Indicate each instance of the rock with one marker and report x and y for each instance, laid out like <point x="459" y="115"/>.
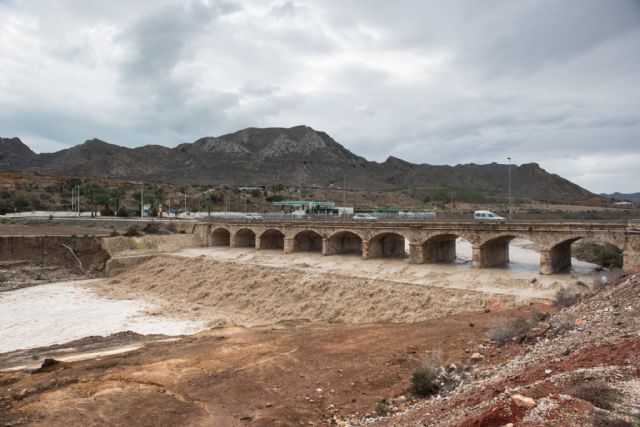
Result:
<point x="487" y="310"/>
<point x="547" y="371"/>
<point x="452" y="367"/>
<point x="509" y="424"/>
<point x="476" y="356"/>
<point x="472" y="324"/>
<point x="401" y="399"/>
<point x="523" y="401"/>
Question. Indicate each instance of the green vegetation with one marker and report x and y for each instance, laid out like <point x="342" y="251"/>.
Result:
<point x="566" y="297"/>
<point x="508" y="329"/>
<point x="424" y="382"/>
<point x="605" y="255"/>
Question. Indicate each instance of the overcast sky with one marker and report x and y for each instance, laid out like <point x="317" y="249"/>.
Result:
<point x="440" y="82"/>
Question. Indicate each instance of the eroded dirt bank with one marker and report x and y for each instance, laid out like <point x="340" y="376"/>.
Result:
<point x="248" y="295"/>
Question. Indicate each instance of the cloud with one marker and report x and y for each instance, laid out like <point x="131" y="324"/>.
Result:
<point x="553" y="81"/>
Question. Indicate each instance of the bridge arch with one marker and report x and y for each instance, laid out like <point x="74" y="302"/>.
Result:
<point x="387" y="245"/>
<point x="307" y="241"/>
<point x="272" y="239"/>
<point x="245" y="238"/>
<point x="557" y="256"/>
<point x="220" y="237"/>
<point x="344" y="242"/>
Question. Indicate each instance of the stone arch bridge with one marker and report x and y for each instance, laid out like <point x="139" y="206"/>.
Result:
<point x="429" y="241"/>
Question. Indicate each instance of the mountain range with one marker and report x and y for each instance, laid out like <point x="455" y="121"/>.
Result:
<point x="292" y="156"/>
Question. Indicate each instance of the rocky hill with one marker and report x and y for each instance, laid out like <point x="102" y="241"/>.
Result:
<point x="624" y="197"/>
<point x="298" y="156"/>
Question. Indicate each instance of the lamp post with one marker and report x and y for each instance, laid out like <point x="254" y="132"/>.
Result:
<point x="509" y="159"/>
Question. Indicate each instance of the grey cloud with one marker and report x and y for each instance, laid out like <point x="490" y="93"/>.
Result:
<point x="547" y="81"/>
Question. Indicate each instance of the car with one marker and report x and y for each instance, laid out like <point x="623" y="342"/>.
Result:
<point x="364" y="217"/>
<point x="487" y="216"/>
<point x="253" y="216"/>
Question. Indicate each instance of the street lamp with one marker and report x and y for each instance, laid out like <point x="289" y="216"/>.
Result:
<point x="509" y="159"/>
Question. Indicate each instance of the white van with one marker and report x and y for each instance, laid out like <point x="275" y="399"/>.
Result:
<point x="486" y="215"/>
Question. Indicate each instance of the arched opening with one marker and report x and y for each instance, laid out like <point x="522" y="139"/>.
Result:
<point x="588" y="254"/>
<point x="220" y="237"/>
<point x="344" y="242"/>
<point x="440" y="249"/>
<point x="307" y="241"/>
<point x="272" y="239"/>
<point x="245" y="238"/>
<point x="494" y="253"/>
<point x="387" y="245"/>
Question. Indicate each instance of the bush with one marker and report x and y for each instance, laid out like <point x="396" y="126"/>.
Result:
<point x="605" y="255"/>
<point x="152" y="228"/>
<point x="423" y="382"/>
<point x="107" y="211"/>
<point x="597" y="393"/>
<point x="132" y="231"/>
<point x="122" y="212"/>
<point x="566" y="297"/>
<point x="508" y="329"/>
<point x="382" y="407"/>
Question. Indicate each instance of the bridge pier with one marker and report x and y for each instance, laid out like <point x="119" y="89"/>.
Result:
<point x="416" y="253"/>
<point x="491" y="254"/>
<point x="631" y="253"/>
<point x="289" y="245"/>
<point x="442" y="250"/>
<point x="366" y="245"/>
<point x="556" y="259"/>
<point x="325" y="246"/>
<point x="258" y="245"/>
<point x="387" y="246"/>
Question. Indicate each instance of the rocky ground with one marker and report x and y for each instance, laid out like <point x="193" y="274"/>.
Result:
<point x="579" y="367"/>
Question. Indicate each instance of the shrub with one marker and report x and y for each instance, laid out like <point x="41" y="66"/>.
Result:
<point x="566" y="297"/>
<point x="597" y="393"/>
<point x="132" y="231"/>
<point x="107" y="211"/>
<point x="382" y="407"/>
<point x="424" y="382"/>
<point x="122" y="212"/>
<point x="508" y="329"/>
<point x="606" y="255"/>
<point x="152" y="228"/>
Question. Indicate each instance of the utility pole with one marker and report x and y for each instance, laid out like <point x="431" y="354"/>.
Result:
<point x="142" y="202"/>
<point x="185" y="202"/>
<point x="509" y="159"/>
<point x="78" y="200"/>
<point x="344" y="196"/>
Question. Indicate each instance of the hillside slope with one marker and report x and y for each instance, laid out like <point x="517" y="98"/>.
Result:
<point x="298" y="156"/>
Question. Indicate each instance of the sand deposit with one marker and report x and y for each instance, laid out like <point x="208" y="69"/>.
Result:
<point x="244" y="294"/>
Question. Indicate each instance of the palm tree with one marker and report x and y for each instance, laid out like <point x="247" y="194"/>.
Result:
<point x="117" y="194"/>
<point x="91" y="191"/>
<point x="159" y="197"/>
